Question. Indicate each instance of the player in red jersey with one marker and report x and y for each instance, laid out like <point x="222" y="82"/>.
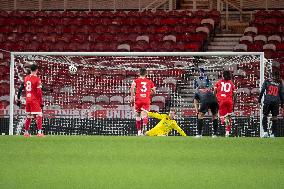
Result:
<point x="225" y="93"/>
<point x="32" y="85"/>
<point x="141" y="90"/>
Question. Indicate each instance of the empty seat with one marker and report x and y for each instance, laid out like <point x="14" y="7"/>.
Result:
<point x="116" y="100"/>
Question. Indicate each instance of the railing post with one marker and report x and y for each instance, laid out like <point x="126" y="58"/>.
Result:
<point x="227" y="15"/>
<point x="114" y="5"/>
<point x="218" y="5"/>
<point x="15" y="4"/>
<point x="194" y="5"/>
<point x="40" y="5"/>
<point x="139" y="4"/>
<point x="241" y="12"/>
<point x="211" y="5"/>
<point x="170" y="5"/>
<point x="90" y="5"/>
<point x="266" y="5"/>
<point x="65" y="5"/>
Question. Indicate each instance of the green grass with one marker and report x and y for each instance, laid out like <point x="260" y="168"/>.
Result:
<point x="140" y="162"/>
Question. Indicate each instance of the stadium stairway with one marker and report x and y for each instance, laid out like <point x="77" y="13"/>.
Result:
<point x="224" y="42"/>
<point x="200" y="4"/>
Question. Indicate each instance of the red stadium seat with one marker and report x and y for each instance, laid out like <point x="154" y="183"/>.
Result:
<point x="167" y="46"/>
<point x="280" y="47"/>
<point x="55" y="14"/>
<point x="33" y="46"/>
<point x="200" y="14"/>
<point x="194" y="47"/>
<point x="276" y="14"/>
<point x="140" y="46"/>
<point x="261" y="14"/>
<point x="4" y="14"/>
<point x="274" y="39"/>
<point x="260" y="39"/>
<point x="254" y="47"/>
<point x="81" y="14"/>
<point x="121" y="14"/>
<point x="79" y="38"/>
<point x="60" y="46"/>
<point x="68" y="14"/>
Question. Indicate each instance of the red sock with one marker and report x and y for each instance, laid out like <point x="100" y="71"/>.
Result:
<point x="228" y="127"/>
<point x="28" y="123"/>
<point x="39" y="122"/>
<point x="222" y="120"/>
<point x="145" y="121"/>
<point x="138" y="124"/>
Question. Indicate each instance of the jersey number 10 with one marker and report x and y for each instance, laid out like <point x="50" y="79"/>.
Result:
<point x="226" y="87"/>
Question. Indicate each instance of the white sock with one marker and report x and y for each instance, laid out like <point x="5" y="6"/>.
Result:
<point x="39" y="131"/>
<point x="227" y="132"/>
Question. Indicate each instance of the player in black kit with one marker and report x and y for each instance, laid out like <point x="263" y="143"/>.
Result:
<point x="273" y="89"/>
<point x="205" y="97"/>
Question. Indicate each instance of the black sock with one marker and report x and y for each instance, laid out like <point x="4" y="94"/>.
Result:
<point x="264" y="123"/>
<point x="215" y="126"/>
<point x="199" y="126"/>
<point x="274" y="126"/>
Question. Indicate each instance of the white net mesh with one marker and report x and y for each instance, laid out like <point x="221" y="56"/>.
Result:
<point x="95" y="100"/>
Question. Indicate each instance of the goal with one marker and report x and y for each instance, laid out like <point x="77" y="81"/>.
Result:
<point x="95" y="100"/>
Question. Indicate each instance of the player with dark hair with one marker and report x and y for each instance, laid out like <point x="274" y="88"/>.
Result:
<point x="141" y="90"/>
<point x="32" y="85"/>
<point x="273" y="89"/>
<point x="225" y="93"/>
<point x="205" y="97"/>
<point x="166" y="124"/>
<point x="202" y="79"/>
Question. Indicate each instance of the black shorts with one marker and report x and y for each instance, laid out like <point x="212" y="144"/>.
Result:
<point x="213" y="106"/>
<point x="272" y="107"/>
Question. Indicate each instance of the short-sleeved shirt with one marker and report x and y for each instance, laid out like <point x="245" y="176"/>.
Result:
<point x="32" y="86"/>
<point x="273" y="91"/>
<point x="143" y="89"/>
<point x="225" y="90"/>
<point x="205" y="95"/>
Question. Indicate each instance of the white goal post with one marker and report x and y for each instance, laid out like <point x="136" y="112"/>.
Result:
<point x="260" y="55"/>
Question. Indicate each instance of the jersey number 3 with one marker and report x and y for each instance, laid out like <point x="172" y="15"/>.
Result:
<point x="226" y="87"/>
<point x="144" y="87"/>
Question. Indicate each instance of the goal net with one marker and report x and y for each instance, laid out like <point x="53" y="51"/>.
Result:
<point x="95" y="100"/>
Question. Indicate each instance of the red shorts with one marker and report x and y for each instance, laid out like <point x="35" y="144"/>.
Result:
<point x="33" y="107"/>
<point x="139" y="105"/>
<point x="225" y="107"/>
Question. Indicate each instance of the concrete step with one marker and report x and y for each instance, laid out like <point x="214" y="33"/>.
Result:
<point x="219" y="43"/>
<point x="226" y="39"/>
<point x="228" y="35"/>
<point x="220" y="48"/>
<point x="223" y="50"/>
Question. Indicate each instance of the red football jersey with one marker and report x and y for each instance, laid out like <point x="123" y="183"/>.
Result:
<point x="143" y="89"/>
<point x="224" y="89"/>
<point x="32" y="85"/>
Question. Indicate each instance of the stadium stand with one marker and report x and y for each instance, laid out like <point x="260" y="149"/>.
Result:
<point x="102" y="31"/>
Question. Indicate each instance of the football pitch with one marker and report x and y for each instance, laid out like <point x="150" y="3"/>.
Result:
<point x="140" y="162"/>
